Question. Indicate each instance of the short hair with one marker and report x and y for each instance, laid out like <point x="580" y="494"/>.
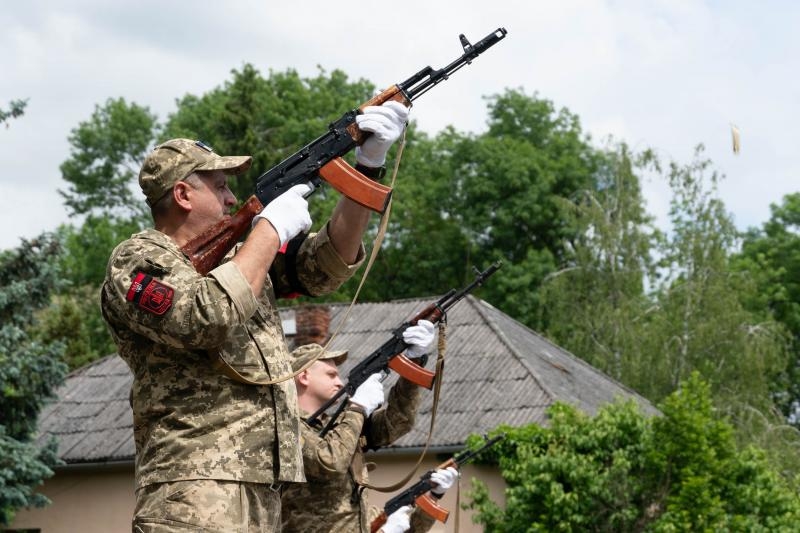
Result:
<point x="164" y="204"/>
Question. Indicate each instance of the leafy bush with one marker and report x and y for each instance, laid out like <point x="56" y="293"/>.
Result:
<point x="621" y="471"/>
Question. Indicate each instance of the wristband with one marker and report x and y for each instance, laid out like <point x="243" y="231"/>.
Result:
<point x="375" y="174"/>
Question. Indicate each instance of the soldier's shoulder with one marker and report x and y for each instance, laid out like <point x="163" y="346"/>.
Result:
<point x="149" y="246"/>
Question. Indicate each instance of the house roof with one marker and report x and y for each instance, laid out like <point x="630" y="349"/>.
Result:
<point x="497" y="371"/>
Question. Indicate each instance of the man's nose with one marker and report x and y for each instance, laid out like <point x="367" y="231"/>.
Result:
<point x="230" y="199"/>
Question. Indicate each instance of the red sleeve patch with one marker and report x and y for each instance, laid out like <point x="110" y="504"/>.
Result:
<point x="150" y="294"/>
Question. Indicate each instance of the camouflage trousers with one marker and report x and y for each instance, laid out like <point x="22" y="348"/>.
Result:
<point x="207" y="505"/>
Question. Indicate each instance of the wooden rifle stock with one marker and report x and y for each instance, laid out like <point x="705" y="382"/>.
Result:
<point x="377" y="524"/>
<point x="433" y="312"/>
<point x="207" y="249"/>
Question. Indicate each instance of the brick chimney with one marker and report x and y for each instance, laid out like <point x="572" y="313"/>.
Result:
<point x="312" y="323"/>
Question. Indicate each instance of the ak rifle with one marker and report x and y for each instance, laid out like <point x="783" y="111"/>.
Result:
<point x="417" y="494"/>
<point x="390" y="354"/>
<point x="321" y="160"/>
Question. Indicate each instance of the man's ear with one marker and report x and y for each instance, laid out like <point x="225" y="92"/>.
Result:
<point x="302" y="378"/>
<point x="181" y="195"/>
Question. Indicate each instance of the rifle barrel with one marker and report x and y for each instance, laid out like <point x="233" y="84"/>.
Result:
<point x="427" y="78"/>
<point x="454" y="296"/>
<point x="468" y="455"/>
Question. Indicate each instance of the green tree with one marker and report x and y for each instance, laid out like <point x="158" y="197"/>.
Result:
<point x="596" y="304"/>
<point x="105" y="156"/>
<point x="621" y="471"/>
<point x="465" y="200"/>
<point x="16" y="108"/>
<point x="88" y="246"/>
<point x="770" y="256"/>
<point x="510" y="182"/>
<point x="74" y="314"/>
<point x="29" y="371"/>
<point x="425" y="251"/>
<point x="692" y="319"/>
<point x="701" y="323"/>
<point x="102" y="172"/>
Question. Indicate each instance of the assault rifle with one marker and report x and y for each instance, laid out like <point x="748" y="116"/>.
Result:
<point x="417" y="494"/>
<point x="389" y="355"/>
<point x="321" y="160"/>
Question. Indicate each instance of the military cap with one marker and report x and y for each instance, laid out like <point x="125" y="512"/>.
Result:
<point x="176" y="159"/>
<point x="303" y="354"/>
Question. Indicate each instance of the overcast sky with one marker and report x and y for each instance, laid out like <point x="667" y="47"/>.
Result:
<point x="664" y="74"/>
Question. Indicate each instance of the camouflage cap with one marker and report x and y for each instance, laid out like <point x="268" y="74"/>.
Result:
<point x="303" y="354"/>
<point x="176" y="159"/>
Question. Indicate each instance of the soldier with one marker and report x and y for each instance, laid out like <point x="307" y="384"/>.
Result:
<point x="334" y="498"/>
<point x="212" y="453"/>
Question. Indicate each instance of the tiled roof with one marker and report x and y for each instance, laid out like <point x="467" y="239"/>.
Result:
<point x="92" y="418"/>
<point x="496" y="371"/>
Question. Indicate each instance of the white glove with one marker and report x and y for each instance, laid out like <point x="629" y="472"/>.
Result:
<point x="444" y="479"/>
<point x="386" y="122"/>
<point x="420" y="337"/>
<point x="370" y="394"/>
<point x="398" y="521"/>
<point x="288" y="213"/>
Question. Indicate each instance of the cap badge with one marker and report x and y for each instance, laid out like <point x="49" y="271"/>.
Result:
<point x="204" y="146"/>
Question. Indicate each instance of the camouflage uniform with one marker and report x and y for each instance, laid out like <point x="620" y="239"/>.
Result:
<point x="190" y="422"/>
<point x="333" y="499"/>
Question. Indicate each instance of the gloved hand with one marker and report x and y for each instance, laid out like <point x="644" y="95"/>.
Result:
<point x="398" y="521"/>
<point x="370" y="394"/>
<point x="420" y="337"/>
<point x="386" y="122"/>
<point x="288" y="213"/>
<point x="444" y="479"/>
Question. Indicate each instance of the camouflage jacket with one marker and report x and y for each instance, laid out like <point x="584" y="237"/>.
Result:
<point x="333" y="499"/>
<point x="191" y="422"/>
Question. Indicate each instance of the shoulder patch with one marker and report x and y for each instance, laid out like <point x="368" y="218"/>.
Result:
<point x="150" y="294"/>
